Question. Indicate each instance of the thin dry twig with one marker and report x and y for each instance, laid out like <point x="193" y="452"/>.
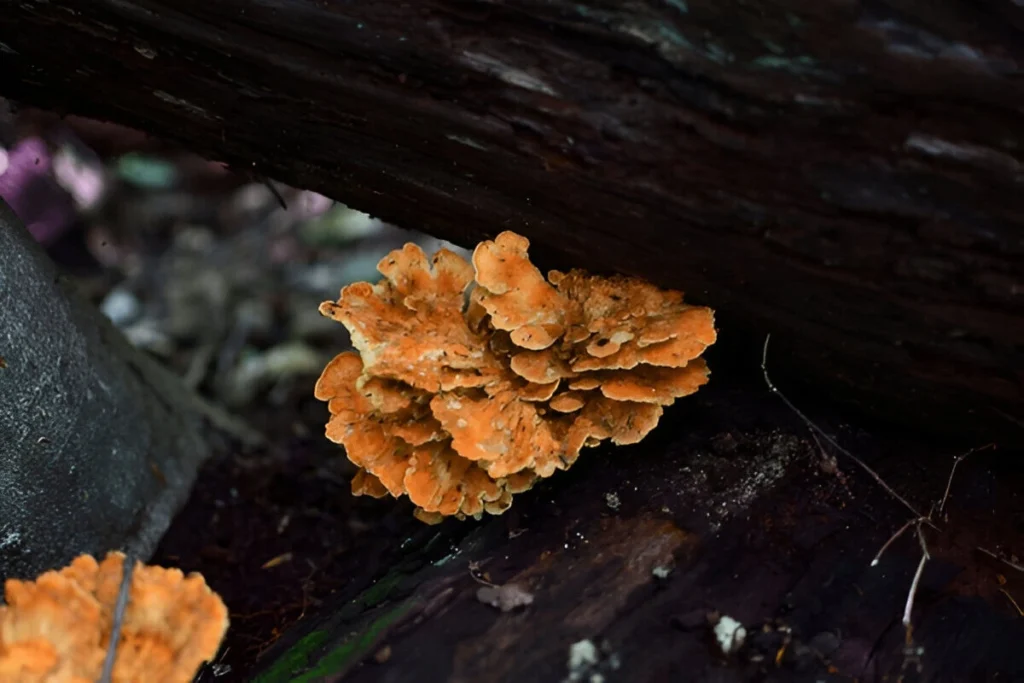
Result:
<point x="832" y="442"/>
<point x="892" y="539"/>
<point x="828" y="461"/>
<point x="1017" y="421"/>
<point x="909" y="607"/>
<point x="996" y="556"/>
<point x="119" y="608"/>
<point x="952" y="472"/>
<point x="274" y="191"/>
<point x="1012" y="601"/>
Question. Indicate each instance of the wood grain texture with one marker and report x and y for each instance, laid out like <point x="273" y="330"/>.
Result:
<point x="844" y="174"/>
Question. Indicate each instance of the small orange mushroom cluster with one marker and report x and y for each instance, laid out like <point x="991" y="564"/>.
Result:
<point x="461" y="404"/>
<point x="57" y="628"/>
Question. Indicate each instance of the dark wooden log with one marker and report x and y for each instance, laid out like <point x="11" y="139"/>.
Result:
<point x="99" y="444"/>
<point x="728" y="510"/>
<point x="844" y="174"/>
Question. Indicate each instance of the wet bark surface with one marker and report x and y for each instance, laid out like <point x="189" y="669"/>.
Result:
<point x="845" y="175"/>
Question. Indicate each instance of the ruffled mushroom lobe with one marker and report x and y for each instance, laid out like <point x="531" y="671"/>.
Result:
<point x="516" y="295"/>
<point x="461" y="402"/>
<point x="57" y="628"/>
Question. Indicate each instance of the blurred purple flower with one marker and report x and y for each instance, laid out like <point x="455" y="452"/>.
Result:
<point x="81" y="173"/>
<point x="308" y="205"/>
<point x="28" y="185"/>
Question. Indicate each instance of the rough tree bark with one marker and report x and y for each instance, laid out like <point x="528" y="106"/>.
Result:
<point x="99" y="445"/>
<point x="844" y="174"/>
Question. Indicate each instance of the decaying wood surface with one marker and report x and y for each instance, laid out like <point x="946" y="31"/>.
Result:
<point x="728" y="510"/>
<point x="846" y="175"/>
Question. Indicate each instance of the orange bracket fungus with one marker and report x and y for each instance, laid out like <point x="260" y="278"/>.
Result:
<point x="470" y="382"/>
<point x="57" y="628"/>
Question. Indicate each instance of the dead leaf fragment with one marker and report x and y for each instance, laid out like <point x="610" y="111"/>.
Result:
<point x="283" y="558"/>
<point x="506" y="598"/>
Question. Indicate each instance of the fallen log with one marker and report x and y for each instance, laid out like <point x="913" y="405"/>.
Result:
<point x="843" y="175"/>
<point x="99" y="444"/>
<point x="730" y="515"/>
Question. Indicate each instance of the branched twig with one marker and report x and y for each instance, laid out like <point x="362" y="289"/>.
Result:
<point x="912" y="654"/>
<point x="952" y="472"/>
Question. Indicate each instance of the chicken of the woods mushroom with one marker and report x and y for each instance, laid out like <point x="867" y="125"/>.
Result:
<point x="57" y="628"/>
<point x="471" y="382"/>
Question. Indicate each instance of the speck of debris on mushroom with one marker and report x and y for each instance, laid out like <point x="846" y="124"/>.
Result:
<point x="460" y="402"/>
<point x="57" y="628"/>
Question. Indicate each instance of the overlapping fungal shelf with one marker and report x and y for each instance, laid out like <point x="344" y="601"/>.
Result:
<point x="57" y="628"/>
<point x="471" y="382"/>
